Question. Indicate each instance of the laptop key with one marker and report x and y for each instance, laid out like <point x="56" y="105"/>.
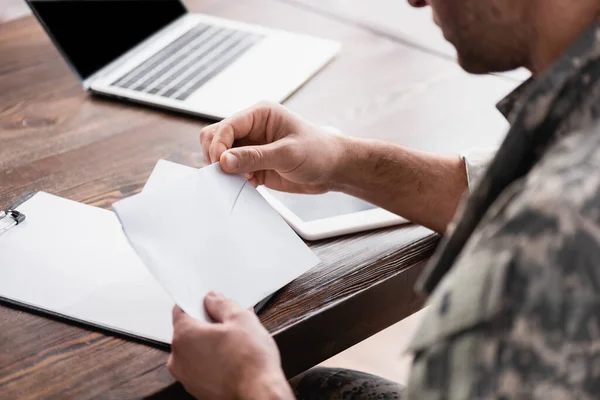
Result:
<point x="187" y="63"/>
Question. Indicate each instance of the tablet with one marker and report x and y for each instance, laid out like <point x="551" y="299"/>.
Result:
<point x="327" y="215"/>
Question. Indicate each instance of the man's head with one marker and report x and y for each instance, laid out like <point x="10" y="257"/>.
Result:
<point x="489" y="35"/>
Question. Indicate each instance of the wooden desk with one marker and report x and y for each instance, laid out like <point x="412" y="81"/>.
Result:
<point x="56" y="138"/>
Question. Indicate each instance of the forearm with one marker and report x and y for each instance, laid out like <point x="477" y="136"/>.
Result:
<point x="424" y="188"/>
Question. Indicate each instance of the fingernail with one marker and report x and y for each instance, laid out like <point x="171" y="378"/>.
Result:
<point x="231" y="161"/>
<point x="214" y="294"/>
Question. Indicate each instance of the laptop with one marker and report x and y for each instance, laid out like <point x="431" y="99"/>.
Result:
<point x="157" y="53"/>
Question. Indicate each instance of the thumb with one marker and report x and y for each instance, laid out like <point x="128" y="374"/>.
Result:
<point x="179" y="316"/>
<point x="220" y="308"/>
<point x="255" y="158"/>
<point x="181" y="319"/>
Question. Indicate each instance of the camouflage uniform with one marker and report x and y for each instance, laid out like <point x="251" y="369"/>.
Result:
<point x="515" y="306"/>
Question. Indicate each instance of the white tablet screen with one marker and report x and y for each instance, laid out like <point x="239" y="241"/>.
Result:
<point x="315" y="207"/>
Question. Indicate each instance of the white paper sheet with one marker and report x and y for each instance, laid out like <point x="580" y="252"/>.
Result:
<point x="206" y="230"/>
<point x="165" y="172"/>
<point x="74" y="260"/>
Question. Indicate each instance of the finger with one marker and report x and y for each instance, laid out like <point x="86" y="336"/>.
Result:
<point x="222" y="140"/>
<point x="220" y="308"/>
<point x="259" y="177"/>
<point x="251" y="124"/>
<point x="171" y="366"/>
<point x="254" y="182"/>
<point x="215" y="150"/>
<point x="417" y="3"/>
<point x="179" y="316"/>
<point x="206" y="156"/>
<point x="272" y="156"/>
<point x="206" y="137"/>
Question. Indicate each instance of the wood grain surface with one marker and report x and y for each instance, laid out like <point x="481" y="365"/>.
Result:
<point x="56" y="138"/>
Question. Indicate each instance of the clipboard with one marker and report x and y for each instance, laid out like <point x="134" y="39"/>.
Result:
<point x="72" y="261"/>
<point x="129" y="302"/>
<point x="11" y="217"/>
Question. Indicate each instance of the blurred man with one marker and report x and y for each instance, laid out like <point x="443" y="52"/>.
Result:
<point x="515" y="286"/>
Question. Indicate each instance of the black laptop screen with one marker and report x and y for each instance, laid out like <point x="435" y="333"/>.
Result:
<point x="92" y="33"/>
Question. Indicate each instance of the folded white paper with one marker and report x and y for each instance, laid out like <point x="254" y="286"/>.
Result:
<point x="203" y="230"/>
<point x="165" y="172"/>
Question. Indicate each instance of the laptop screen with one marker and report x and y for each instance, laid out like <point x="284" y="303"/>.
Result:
<point x="92" y="33"/>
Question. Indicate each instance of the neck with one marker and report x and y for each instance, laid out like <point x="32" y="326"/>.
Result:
<point x="557" y="25"/>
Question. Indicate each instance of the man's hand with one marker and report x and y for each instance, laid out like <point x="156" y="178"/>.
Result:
<point x="233" y="358"/>
<point x="281" y="150"/>
<point x="275" y="147"/>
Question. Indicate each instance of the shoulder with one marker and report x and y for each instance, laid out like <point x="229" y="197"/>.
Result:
<point x="536" y="237"/>
<point x="568" y="174"/>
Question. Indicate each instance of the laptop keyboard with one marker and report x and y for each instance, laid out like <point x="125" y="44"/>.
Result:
<point x="187" y="63"/>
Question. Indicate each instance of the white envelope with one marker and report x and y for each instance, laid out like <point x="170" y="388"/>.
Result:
<point x="165" y="172"/>
<point x="203" y="230"/>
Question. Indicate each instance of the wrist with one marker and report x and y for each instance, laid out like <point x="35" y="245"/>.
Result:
<point x="352" y="153"/>
<point x="272" y="386"/>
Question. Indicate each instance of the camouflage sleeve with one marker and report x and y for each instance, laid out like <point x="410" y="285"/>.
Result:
<point x="518" y="315"/>
<point x="476" y="162"/>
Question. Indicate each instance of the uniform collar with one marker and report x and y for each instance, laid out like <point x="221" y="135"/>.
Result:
<point x="508" y="105"/>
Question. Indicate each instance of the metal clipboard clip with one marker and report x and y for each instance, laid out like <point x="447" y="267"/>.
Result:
<point x="10" y="218"/>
